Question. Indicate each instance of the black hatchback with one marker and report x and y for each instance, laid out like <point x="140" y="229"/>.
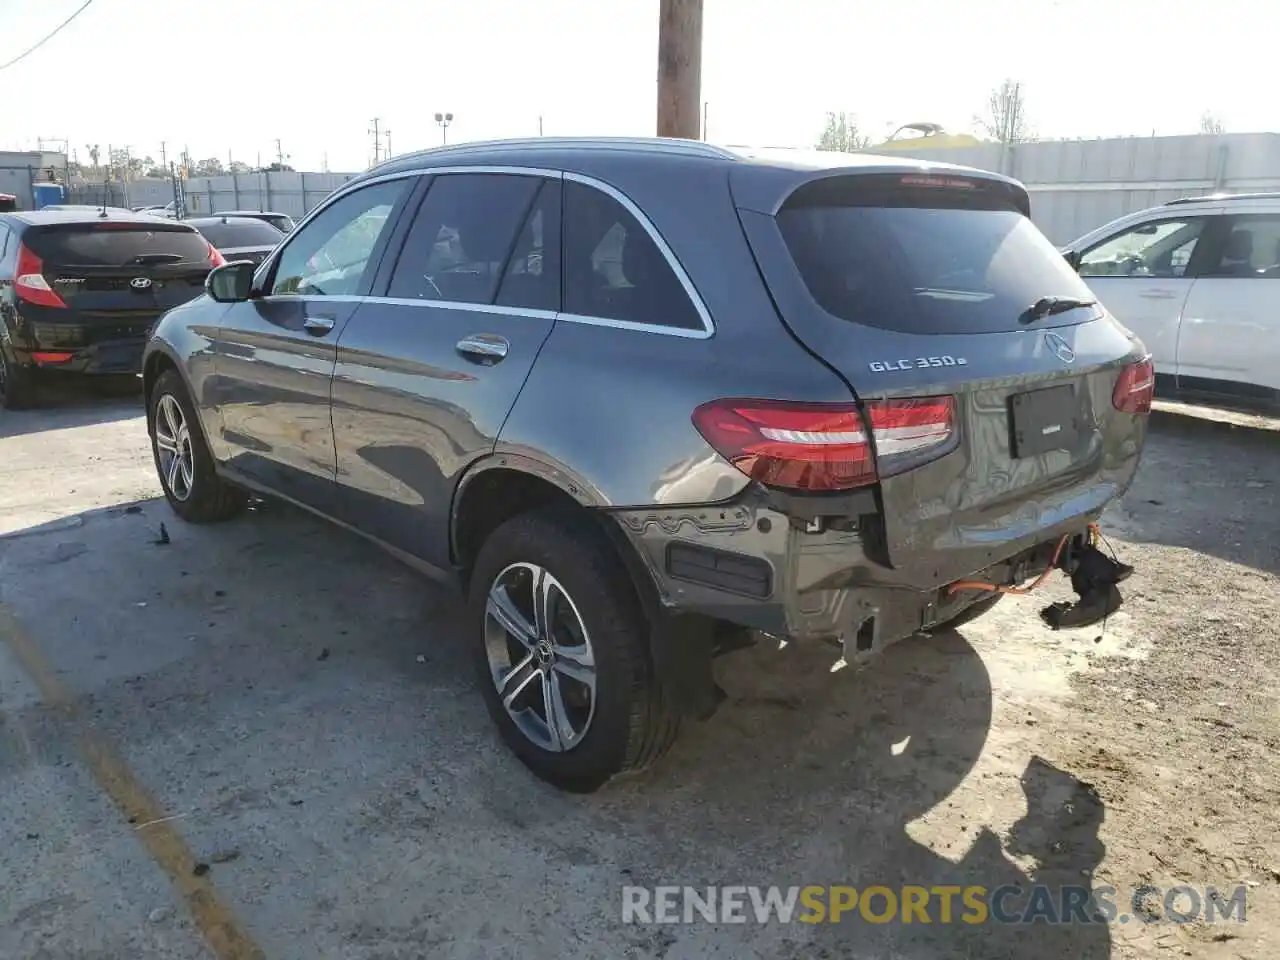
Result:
<point x="80" y="291"/>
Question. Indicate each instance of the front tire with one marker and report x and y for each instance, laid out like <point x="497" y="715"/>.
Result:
<point x="183" y="461"/>
<point x="561" y="648"/>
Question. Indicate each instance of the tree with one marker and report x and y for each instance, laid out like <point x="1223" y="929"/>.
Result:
<point x="239" y="166"/>
<point x="1212" y="124"/>
<point x="842" y="134"/>
<point x="1006" y="116"/>
<point x="125" y="165"/>
<point x="209" y="168"/>
<point x="277" y="167"/>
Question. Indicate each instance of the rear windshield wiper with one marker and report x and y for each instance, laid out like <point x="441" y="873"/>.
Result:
<point x="1050" y="306"/>
<point x="158" y="258"/>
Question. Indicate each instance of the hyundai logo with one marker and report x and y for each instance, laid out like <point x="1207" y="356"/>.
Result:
<point x="140" y="283"/>
<point x="1061" y="349"/>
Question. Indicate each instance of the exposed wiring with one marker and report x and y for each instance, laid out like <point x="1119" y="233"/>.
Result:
<point x="994" y="588"/>
<point x="49" y="36"/>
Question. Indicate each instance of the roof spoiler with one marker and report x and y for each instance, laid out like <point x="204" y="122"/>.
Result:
<point x="767" y="188"/>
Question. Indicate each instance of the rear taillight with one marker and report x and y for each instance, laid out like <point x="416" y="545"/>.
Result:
<point x="29" y="283"/>
<point x="824" y="446"/>
<point x="216" y="258"/>
<point x="1135" y="387"/>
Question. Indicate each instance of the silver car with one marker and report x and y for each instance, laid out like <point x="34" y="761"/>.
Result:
<point x="644" y="401"/>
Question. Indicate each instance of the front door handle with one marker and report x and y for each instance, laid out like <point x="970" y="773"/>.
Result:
<point x="317" y="326"/>
<point x="483" y="347"/>
<point x="1158" y="294"/>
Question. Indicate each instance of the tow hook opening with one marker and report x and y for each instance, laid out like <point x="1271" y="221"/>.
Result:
<point x="861" y="645"/>
<point x="1095" y="577"/>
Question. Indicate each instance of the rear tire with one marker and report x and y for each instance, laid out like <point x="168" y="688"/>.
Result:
<point x="968" y="614"/>
<point x="183" y="461"/>
<point x="17" y="387"/>
<point x="626" y="720"/>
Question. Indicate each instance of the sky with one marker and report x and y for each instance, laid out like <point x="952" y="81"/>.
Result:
<point x="230" y="78"/>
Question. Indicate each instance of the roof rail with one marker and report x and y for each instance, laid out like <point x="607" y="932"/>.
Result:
<point x="1216" y="197"/>
<point x="667" y="145"/>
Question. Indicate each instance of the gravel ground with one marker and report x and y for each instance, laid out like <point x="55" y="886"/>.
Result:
<point x="267" y="731"/>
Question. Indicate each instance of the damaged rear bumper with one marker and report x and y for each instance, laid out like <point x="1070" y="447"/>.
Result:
<point x="772" y="567"/>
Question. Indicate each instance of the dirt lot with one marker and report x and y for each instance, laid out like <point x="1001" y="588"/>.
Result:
<point x="263" y="739"/>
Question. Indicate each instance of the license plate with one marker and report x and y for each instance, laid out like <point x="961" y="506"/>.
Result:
<point x="1043" y="420"/>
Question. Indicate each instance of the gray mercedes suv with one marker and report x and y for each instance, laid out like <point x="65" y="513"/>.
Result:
<point x="647" y="400"/>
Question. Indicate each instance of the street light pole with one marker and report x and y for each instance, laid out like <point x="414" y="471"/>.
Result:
<point x="444" y="119"/>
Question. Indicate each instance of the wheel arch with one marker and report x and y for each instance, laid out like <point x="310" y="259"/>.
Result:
<point x="503" y="485"/>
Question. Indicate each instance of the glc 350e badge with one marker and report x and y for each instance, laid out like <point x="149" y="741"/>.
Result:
<point x="917" y="363"/>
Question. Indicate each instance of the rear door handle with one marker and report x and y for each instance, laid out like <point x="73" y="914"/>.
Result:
<point x="317" y="326"/>
<point x="1158" y="295"/>
<point x="483" y="347"/>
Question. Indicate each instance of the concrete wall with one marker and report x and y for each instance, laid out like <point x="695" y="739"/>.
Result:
<point x="1078" y="185"/>
<point x="285" y="192"/>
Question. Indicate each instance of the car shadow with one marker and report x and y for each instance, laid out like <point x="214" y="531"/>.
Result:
<point x="1209" y="485"/>
<point x="75" y="404"/>
<point x="805" y="778"/>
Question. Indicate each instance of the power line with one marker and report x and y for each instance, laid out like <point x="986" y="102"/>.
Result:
<point x="40" y="43"/>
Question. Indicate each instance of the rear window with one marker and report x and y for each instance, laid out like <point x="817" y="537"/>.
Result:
<point x="282" y="223"/>
<point x="924" y="254"/>
<point x="115" y="244"/>
<point x="240" y="233"/>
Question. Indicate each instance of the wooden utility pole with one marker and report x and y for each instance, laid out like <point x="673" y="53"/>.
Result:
<point x="679" y="68"/>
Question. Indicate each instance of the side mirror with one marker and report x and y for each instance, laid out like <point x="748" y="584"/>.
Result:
<point x="1073" y="259"/>
<point x="231" y="282"/>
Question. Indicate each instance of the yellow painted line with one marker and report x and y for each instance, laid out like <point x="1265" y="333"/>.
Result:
<point x="217" y="924"/>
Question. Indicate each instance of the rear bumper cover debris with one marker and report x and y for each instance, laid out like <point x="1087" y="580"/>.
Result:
<point x="750" y="564"/>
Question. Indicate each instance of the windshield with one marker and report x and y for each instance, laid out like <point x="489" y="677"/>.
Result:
<point x="114" y="244"/>
<point x="926" y="261"/>
<point x="239" y="233"/>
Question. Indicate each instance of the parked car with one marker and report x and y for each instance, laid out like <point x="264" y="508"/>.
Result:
<point x="80" y="292"/>
<point x="281" y="221"/>
<point x="1196" y="279"/>
<point x="239" y="238"/>
<point x="644" y="400"/>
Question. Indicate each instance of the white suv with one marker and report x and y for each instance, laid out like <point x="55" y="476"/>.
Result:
<point x="1199" y="281"/>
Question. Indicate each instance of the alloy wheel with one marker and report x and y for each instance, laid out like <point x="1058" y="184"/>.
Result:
<point x="173" y="448"/>
<point x="540" y="657"/>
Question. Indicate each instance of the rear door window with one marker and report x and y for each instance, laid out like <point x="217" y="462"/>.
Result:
<point x="924" y="255"/>
<point x="613" y="269"/>
<point x="1251" y="249"/>
<point x="462" y="237"/>
<point x="116" y="244"/>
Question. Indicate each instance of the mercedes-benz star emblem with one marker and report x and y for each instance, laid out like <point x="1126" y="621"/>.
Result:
<point x="1061" y="349"/>
<point x="140" y="283"/>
